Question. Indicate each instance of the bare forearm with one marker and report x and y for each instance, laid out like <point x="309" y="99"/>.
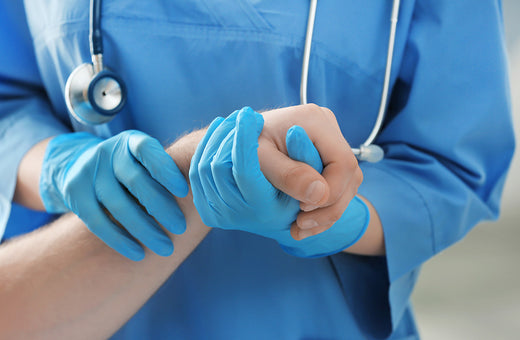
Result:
<point x="27" y="182"/>
<point x="63" y="282"/>
<point x="373" y="241"/>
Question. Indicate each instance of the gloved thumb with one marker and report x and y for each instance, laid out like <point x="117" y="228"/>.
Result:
<point x="300" y="177"/>
<point x="301" y="149"/>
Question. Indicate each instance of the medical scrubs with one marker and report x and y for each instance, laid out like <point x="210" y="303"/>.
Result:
<point x="447" y="136"/>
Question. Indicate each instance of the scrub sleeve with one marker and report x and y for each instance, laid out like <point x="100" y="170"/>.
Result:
<point x="448" y="141"/>
<point x="25" y="115"/>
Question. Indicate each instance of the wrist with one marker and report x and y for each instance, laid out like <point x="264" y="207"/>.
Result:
<point x="182" y="150"/>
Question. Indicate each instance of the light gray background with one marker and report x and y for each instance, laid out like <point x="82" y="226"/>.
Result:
<point x="472" y="290"/>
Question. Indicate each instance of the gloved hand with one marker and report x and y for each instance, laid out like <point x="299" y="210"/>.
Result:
<point x="231" y="192"/>
<point x="118" y="178"/>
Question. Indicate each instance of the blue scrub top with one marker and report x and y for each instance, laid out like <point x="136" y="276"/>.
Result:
<point x="447" y="136"/>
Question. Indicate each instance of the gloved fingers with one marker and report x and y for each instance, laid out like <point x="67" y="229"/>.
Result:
<point x="109" y="232"/>
<point x="127" y="211"/>
<point x="150" y="153"/>
<point x="316" y="221"/>
<point x="157" y="201"/>
<point x="194" y="175"/>
<point x="136" y="221"/>
<point x="222" y="171"/>
<point x="214" y="138"/>
<point x="204" y="165"/>
<point x="301" y="149"/>
<point x="250" y="180"/>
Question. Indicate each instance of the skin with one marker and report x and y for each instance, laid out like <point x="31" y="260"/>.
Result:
<point x="49" y="278"/>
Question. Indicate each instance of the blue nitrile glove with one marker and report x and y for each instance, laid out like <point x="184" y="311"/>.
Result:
<point x="117" y="178"/>
<point x="230" y="191"/>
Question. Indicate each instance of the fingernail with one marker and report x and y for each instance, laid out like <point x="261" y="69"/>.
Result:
<point x="308" y="224"/>
<point x="315" y="192"/>
<point x="308" y="207"/>
<point x="304" y="234"/>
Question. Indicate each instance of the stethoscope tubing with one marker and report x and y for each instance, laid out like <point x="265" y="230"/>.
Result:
<point x="368" y="143"/>
<point x="388" y="69"/>
<point x="367" y="150"/>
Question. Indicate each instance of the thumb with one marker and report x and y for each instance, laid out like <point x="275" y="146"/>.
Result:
<point x="296" y="179"/>
<point x="300" y="148"/>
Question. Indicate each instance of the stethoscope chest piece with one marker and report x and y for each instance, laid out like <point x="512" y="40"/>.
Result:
<point x="94" y="98"/>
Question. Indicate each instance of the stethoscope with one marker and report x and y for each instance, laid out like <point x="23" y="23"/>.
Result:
<point x="94" y="94"/>
<point x="367" y="151"/>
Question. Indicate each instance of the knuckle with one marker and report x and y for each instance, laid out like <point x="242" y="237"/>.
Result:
<point x="327" y="112"/>
<point x="139" y="145"/>
<point x="351" y="165"/>
<point x="103" y="151"/>
<point x="312" y="108"/>
<point x="358" y="177"/>
<point x="309" y="111"/>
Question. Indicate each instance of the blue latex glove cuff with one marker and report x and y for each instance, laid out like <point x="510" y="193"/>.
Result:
<point x="344" y="233"/>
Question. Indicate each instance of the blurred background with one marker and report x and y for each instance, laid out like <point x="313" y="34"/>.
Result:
<point x="472" y="290"/>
